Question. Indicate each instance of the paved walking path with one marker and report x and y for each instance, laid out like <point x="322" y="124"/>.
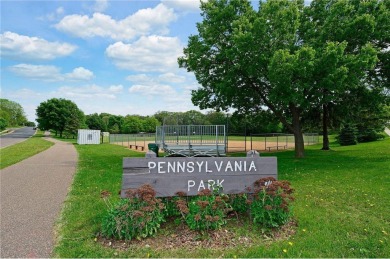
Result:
<point x="387" y="131"/>
<point x="32" y="193"/>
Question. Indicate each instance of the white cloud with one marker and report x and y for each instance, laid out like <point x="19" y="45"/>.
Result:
<point x="100" y="5"/>
<point x="89" y="92"/>
<point x="152" y="53"/>
<point x="51" y="73"/>
<point x="153" y="79"/>
<point x="148" y="90"/>
<point x="20" y="47"/>
<point x="79" y="73"/>
<point x="115" y="88"/>
<point x="38" y="72"/>
<point x="53" y="16"/>
<point x="143" y="22"/>
<point x="183" y="5"/>
<point x="171" y="78"/>
<point x="140" y="79"/>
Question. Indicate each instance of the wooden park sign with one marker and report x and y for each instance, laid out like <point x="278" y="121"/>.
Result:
<point x="169" y="175"/>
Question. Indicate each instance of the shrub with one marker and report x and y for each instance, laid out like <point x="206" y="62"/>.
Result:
<point x="207" y="211"/>
<point x="347" y="136"/>
<point x="366" y="134"/>
<point x="170" y="206"/>
<point x="239" y="202"/>
<point x="3" y="124"/>
<point x="272" y="201"/>
<point x="138" y="216"/>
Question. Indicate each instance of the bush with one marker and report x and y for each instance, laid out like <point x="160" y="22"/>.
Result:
<point x="368" y="135"/>
<point x="239" y="202"/>
<point x="170" y="206"/>
<point x="271" y="206"/>
<point x="207" y="211"/>
<point x="347" y="136"/>
<point x="138" y="216"/>
<point x="3" y="124"/>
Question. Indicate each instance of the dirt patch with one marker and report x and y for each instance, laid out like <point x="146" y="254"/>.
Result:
<point x="181" y="237"/>
<point x="240" y="146"/>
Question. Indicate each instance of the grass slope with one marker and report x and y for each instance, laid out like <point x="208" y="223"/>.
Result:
<point x="342" y="205"/>
<point x="13" y="154"/>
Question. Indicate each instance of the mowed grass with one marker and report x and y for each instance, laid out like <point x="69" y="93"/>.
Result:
<point x="13" y="154"/>
<point x="342" y="206"/>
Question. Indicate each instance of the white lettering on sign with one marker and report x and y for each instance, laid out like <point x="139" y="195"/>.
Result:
<point x="201" y="185"/>
<point x="163" y="167"/>
<point x="151" y="165"/>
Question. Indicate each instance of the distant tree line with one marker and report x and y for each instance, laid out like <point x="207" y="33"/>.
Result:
<point x="263" y="122"/>
<point x="65" y="118"/>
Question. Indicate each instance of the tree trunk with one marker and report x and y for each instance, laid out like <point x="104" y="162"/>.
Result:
<point x="325" y="119"/>
<point x="298" y="135"/>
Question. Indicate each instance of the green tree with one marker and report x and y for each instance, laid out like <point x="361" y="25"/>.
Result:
<point x="150" y="123"/>
<point x="248" y="60"/>
<point x="3" y="124"/>
<point x="59" y="115"/>
<point x="12" y="112"/>
<point x="348" y="36"/>
<point x="115" y="124"/>
<point x="193" y="117"/>
<point x="216" y="118"/>
<point x="232" y="54"/>
<point x="96" y="122"/>
<point x="132" y="124"/>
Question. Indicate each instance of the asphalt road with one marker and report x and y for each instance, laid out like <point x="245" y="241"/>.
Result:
<point x="17" y="136"/>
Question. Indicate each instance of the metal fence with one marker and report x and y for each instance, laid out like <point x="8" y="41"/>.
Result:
<point x="192" y="140"/>
<point x="266" y="142"/>
<point x="191" y="134"/>
<point x="136" y="140"/>
<point x="211" y="135"/>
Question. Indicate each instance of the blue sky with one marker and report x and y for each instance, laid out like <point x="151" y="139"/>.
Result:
<point x="112" y="56"/>
<point x="115" y="56"/>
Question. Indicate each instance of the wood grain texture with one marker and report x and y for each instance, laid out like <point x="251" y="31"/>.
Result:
<point x="170" y="175"/>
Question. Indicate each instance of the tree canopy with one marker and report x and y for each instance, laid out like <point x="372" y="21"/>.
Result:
<point x="60" y="115"/>
<point x="11" y="114"/>
<point x="279" y="57"/>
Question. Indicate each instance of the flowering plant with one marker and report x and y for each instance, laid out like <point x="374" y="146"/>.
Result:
<point x="271" y="205"/>
<point x="206" y="211"/>
<point x="138" y="216"/>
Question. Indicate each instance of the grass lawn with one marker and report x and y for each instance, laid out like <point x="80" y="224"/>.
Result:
<point x="12" y="154"/>
<point x="342" y="207"/>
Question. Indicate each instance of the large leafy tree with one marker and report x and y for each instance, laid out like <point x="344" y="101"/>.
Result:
<point x="342" y="32"/>
<point x="59" y="115"/>
<point x="12" y="113"/>
<point x="251" y="60"/>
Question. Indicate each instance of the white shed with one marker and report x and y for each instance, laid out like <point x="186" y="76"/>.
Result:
<point x="86" y="137"/>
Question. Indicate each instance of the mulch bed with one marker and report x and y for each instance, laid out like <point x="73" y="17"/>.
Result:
<point x="181" y="237"/>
